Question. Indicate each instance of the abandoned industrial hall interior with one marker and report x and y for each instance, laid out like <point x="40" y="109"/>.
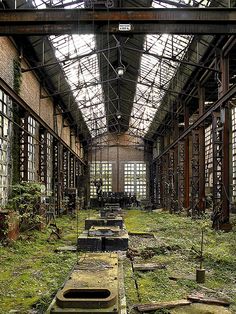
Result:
<point x="118" y="156"/>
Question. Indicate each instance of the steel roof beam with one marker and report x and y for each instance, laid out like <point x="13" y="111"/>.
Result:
<point x="143" y="21"/>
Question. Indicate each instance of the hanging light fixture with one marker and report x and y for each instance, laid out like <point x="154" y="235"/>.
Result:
<point x="120" y="71"/>
<point x="118" y="115"/>
<point x="121" y="68"/>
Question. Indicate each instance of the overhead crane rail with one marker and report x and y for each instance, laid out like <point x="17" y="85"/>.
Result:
<point x="143" y="21"/>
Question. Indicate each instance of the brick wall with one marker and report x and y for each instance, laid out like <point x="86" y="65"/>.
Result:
<point x="46" y="111"/>
<point x="119" y="149"/>
<point x="7" y="55"/>
<point x="30" y="91"/>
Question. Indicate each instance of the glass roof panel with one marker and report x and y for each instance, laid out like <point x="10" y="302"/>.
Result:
<point x="81" y="70"/>
<point x="80" y="64"/>
<point x="156" y="71"/>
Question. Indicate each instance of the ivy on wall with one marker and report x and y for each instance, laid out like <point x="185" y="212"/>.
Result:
<point x="16" y="144"/>
<point x="17" y="80"/>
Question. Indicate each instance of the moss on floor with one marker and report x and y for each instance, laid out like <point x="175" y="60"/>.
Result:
<point x="177" y="244"/>
<point x="201" y="309"/>
<point x="31" y="272"/>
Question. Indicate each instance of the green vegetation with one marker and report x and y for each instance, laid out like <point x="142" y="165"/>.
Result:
<point x="26" y="201"/>
<point x="31" y="272"/>
<point x="17" y="76"/>
<point x="177" y="245"/>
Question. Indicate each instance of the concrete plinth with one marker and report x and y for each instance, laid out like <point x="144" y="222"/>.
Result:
<point x="91" y="244"/>
<point x="119" y="242"/>
<point x="92" y="287"/>
<point x="104" y="231"/>
<point x="117" y="221"/>
<point x="110" y="213"/>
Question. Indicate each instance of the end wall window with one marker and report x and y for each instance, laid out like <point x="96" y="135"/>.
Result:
<point x="135" y="179"/>
<point x="100" y="170"/>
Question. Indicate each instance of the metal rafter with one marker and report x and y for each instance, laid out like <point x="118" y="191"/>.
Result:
<point x="101" y="17"/>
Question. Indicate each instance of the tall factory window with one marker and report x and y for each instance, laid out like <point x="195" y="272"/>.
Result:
<point x="135" y="179"/>
<point x="5" y="141"/>
<point x="129" y="178"/>
<point x="141" y="180"/>
<point x="103" y="171"/>
<point x="31" y="149"/>
<point x="49" y="162"/>
<point x="234" y="152"/>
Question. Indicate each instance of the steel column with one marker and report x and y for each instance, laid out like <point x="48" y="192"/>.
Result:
<point x="226" y="141"/>
<point x="202" y="202"/>
<point x="172" y="192"/>
<point x="195" y="210"/>
<point x="217" y="131"/>
<point x="165" y="182"/>
<point x="226" y="97"/>
<point x="221" y="202"/>
<point x="181" y="179"/>
<point x="159" y="180"/>
<point x="186" y="159"/>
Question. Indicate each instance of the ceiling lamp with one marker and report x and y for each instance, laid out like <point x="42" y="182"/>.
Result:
<point x="120" y="71"/>
<point x="118" y="115"/>
<point x="121" y="67"/>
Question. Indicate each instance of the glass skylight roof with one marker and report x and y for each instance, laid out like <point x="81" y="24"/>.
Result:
<point x="156" y="72"/>
<point x="155" y="75"/>
<point x="83" y="76"/>
<point x="82" y="70"/>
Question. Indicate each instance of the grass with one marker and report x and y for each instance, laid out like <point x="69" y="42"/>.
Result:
<point x="31" y="272"/>
<point x="177" y="245"/>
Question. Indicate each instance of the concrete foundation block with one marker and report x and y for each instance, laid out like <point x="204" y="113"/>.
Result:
<point x="103" y="243"/>
<point x="89" y="222"/>
<point x="93" y="287"/>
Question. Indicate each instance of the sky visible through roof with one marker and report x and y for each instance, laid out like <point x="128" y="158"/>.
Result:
<point x="82" y="70"/>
